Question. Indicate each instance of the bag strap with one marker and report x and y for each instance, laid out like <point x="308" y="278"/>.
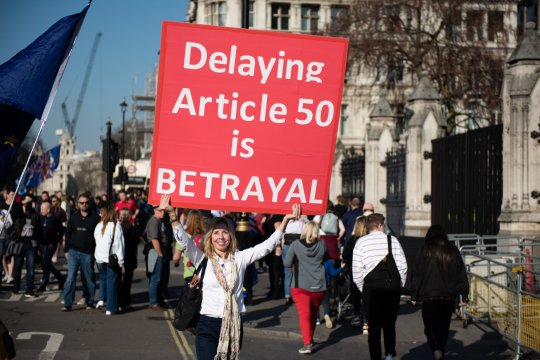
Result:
<point x="389" y="237"/>
<point x="112" y="240"/>
<point x="201" y="267"/>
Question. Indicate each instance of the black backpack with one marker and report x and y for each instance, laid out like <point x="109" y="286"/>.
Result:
<point x="385" y="276"/>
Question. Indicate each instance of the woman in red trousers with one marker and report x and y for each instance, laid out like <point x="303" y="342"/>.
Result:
<point x="306" y="256"/>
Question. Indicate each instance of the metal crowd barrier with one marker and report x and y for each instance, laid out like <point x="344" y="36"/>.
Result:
<point x="504" y="277"/>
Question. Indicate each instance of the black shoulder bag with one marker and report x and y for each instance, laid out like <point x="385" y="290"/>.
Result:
<point x="385" y="276"/>
<point x="187" y="312"/>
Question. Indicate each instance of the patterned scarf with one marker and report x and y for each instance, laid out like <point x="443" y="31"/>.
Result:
<point x="229" y="336"/>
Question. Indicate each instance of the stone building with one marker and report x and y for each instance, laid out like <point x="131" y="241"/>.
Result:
<point x="520" y="213"/>
<point x="368" y="108"/>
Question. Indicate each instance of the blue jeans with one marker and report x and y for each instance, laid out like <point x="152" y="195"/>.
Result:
<point x="85" y="262"/>
<point x="287" y="280"/>
<point x="207" y="338"/>
<point x="29" y="253"/>
<point x="154" y="290"/>
<point x="47" y="252"/>
<point x="108" y="291"/>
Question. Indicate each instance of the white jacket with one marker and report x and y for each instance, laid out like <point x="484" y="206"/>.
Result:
<point x="103" y="243"/>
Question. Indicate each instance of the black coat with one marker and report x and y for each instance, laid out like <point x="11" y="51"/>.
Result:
<point x="131" y="240"/>
<point x="27" y="227"/>
<point x="429" y="279"/>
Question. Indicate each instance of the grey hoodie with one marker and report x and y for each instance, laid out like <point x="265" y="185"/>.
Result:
<point x="310" y="264"/>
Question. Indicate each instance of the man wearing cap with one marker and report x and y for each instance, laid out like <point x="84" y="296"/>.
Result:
<point x="155" y="234"/>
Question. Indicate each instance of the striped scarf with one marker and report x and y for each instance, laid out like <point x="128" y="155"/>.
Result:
<point x="229" y="336"/>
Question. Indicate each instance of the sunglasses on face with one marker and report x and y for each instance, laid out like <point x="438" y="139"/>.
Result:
<point x="83" y="202"/>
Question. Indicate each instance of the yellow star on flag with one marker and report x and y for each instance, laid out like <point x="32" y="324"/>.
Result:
<point x="10" y="140"/>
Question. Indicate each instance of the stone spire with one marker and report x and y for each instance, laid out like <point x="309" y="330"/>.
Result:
<point x="382" y="109"/>
<point x="425" y="90"/>
<point x="528" y="48"/>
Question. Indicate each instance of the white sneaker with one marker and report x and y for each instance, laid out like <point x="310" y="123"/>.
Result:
<point x="328" y="321"/>
<point x="108" y="313"/>
<point x="81" y="302"/>
<point x="99" y="304"/>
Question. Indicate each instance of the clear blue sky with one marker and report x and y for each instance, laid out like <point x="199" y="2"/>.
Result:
<point x="127" y="51"/>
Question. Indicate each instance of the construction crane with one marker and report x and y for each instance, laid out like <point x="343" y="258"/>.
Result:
<point x="71" y="123"/>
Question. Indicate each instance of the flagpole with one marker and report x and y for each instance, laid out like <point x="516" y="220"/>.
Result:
<point x="21" y="178"/>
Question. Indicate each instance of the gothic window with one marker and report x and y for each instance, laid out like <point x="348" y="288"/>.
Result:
<point x="338" y="21"/>
<point x="395" y="70"/>
<point x="310" y="18"/>
<point x="344" y="119"/>
<point x="393" y="23"/>
<point x="453" y="26"/>
<point x="216" y="13"/>
<point x="280" y="16"/>
<point x="495" y="25"/>
<point x="474" y="26"/>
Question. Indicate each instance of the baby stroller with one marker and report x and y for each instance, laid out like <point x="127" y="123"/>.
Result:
<point x="342" y="304"/>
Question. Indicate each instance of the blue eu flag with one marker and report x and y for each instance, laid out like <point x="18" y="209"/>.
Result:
<point x="28" y="80"/>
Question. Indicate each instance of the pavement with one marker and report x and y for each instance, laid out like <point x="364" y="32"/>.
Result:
<point x="275" y="319"/>
<point x="271" y="330"/>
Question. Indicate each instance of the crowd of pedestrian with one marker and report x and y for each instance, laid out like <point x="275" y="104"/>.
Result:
<point x="313" y="262"/>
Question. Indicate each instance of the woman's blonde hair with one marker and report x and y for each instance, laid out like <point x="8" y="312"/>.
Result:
<point x="360" y="228"/>
<point x="310" y="233"/>
<point x="209" y="246"/>
<point x="109" y="214"/>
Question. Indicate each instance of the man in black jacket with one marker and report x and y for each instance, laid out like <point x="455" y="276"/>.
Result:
<point x="80" y="246"/>
<point x="52" y="233"/>
<point x="26" y="231"/>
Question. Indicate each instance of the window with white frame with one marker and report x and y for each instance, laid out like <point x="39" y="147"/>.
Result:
<point x="310" y="18"/>
<point x="251" y="13"/>
<point x="216" y="13"/>
<point x="280" y="16"/>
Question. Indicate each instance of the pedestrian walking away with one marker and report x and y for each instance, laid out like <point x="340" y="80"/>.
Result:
<point x="219" y="329"/>
<point x="308" y="288"/>
<point x="380" y="269"/>
<point x="438" y="278"/>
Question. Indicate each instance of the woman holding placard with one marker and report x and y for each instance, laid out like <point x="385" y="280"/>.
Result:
<point x="219" y="328"/>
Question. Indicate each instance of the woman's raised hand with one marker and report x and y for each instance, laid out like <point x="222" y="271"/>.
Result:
<point x="297" y="211"/>
<point x="165" y="203"/>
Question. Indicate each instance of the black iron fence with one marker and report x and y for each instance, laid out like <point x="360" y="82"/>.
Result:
<point x="395" y="189"/>
<point x="466" y="181"/>
<point x="353" y="173"/>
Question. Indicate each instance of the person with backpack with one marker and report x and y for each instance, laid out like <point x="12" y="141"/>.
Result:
<point x="332" y="231"/>
<point x="379" y="269"/>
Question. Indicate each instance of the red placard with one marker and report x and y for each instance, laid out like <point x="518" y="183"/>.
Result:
<point x="246" y="120"/>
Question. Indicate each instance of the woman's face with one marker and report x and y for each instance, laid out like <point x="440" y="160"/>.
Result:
<point x="221" y="240"/>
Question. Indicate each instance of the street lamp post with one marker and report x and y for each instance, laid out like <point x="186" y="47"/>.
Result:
<point x="123" y="107"/>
